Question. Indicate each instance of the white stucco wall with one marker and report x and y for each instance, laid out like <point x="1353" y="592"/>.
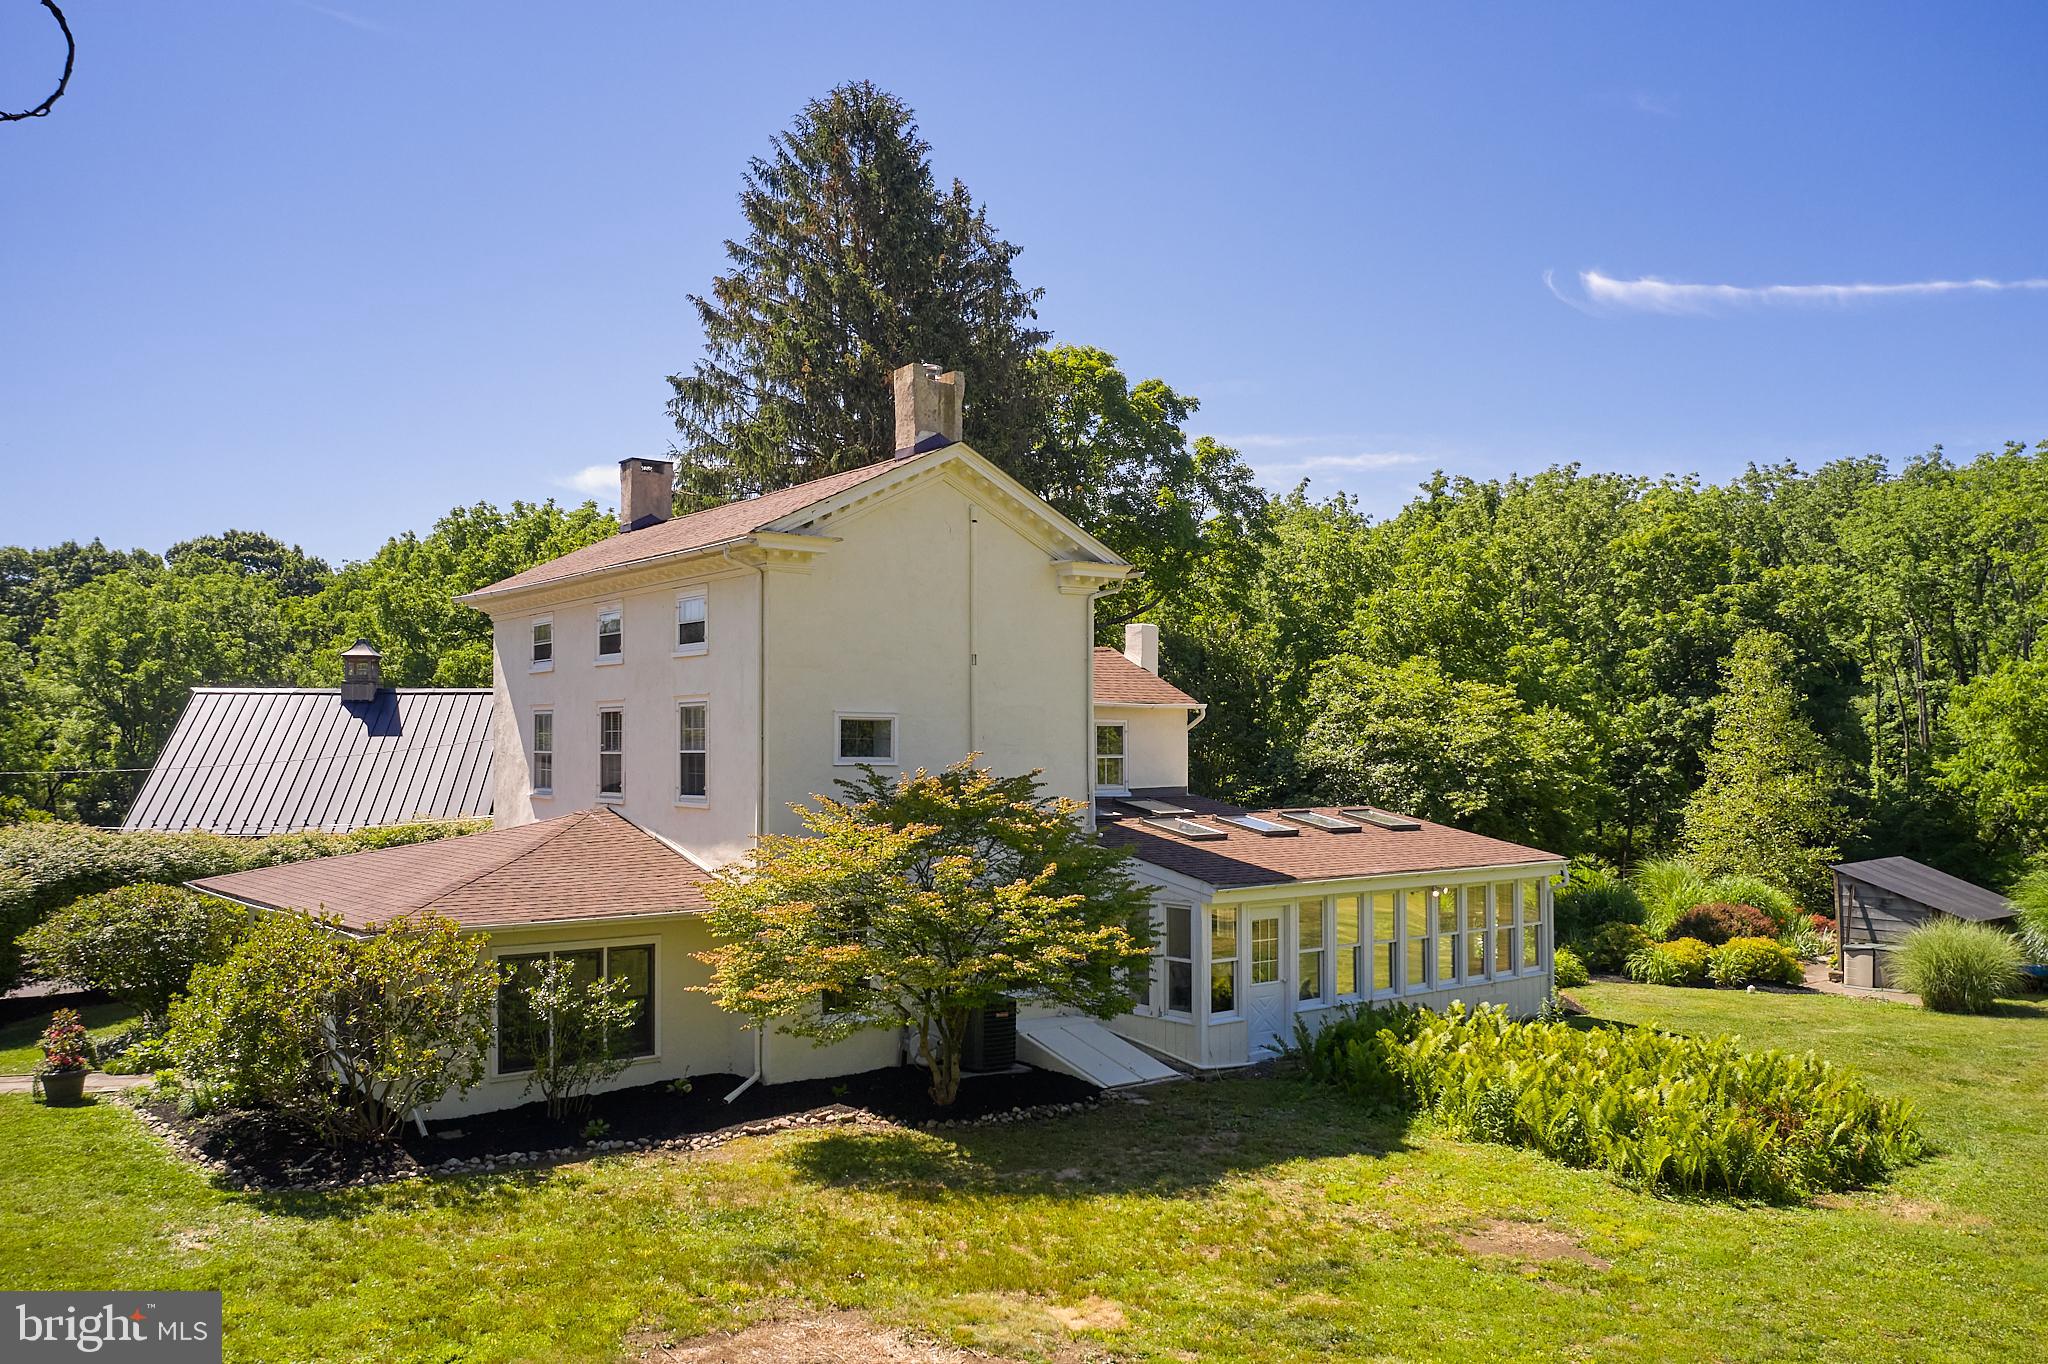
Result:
<point x="1155" y="742"/>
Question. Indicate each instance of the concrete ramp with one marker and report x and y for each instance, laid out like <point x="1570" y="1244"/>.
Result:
<point x="1083" y="1048"/>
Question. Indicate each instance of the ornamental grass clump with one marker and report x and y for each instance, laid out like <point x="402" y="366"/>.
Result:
<point x="1684" y="1114"/>
<point x="1957" y="967"/>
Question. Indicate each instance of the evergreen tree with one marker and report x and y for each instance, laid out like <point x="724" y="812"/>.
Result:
<point x="1767" y="806"/>
<point x="854" y="263"/>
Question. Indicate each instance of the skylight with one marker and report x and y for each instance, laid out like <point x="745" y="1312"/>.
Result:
<point x="1384" y="819"/>
<point x="1155" y="807"/>
<point x="1270" y="828"/>
<point x="1185" y="828"/>
<point x="1316" y="819"/>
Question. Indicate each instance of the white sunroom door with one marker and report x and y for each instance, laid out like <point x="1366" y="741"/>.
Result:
<point x="1265" y="1006"/>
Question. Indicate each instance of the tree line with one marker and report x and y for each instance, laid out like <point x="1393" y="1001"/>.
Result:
<point x="1783" y="668"/>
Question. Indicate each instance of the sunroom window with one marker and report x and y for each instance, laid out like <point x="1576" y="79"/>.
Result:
<point x="1180" y="959"/>
<point x="1415" y="969"/>
<point x="1532" y="925"/>
<point x="1503" y="928"/>
<point x="1309" y="948"/>
<point x="1448" y="946"/>
<point x="1223" y="961"/>
<point x="1351" y="968"/>
<point x="1475" y="929"/>
<point x="1386" y="950"/>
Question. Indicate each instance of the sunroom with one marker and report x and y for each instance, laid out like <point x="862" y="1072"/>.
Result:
<point x="1269" y="920"/>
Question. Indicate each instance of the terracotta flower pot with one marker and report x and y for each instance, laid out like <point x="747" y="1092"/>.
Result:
<point x="62" y="1088"/>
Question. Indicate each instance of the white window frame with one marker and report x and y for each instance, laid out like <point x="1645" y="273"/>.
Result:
<point x="839" y="758"/>
<point x="534" y="663"/>
<point x="1505" y="920"/>
<point x="540" y="791"/>
<point x="604" y="945"/>
<point x="1235" y="960"/>
<point x="611" y="797"/>
<point x="1396" y="959"/>
<point x="605" y="613"/>
<point x="703" y="645"/>
<point x="1122" y="757"/>
<point x="1319" y="911"/>
<point x="1165" y="1006"/>
<point x="703" y="798"/>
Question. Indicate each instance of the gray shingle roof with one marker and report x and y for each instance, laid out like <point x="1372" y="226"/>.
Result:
<point x="269" y="760"/>
<point x="1918" y="881"/>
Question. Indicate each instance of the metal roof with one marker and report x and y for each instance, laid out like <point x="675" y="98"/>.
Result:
<point x="1918" y="881"/>
<point x="271" y="760"/>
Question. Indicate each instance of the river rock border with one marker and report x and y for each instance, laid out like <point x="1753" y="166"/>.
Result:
<point x="405" y="1166"/>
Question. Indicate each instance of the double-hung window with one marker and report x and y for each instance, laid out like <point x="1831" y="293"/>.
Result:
<point x="1111" y="773"/>
<point x="543" y="645"/>
<point x="1351" y="977"/>
<point x="691" y="783"/>
<point x="1223" y="960"/>
<point x="1386" y="951"/>
<point x="1504" y="928"/>
<point x="1308" y="948"/>
<point x="523" y="1036"/>
<point x="611" y="637"/>
<point x="691" y="627"/>
<point x="543" y="753"/>
<point x="1449" y="947"/>
<point x="1475" y="930"/>
<point x="611" y="752"/>
<point x="1414" y="968"/>
<point x="1532" y="925"/>
<point x="1179" y="949"/>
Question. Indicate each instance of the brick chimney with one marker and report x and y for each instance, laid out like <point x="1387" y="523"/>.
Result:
<point x="1141" y="645"/>
<point x="362" y="671"/>
<point x="647" y="492"/>
<point x="928" y="408"/>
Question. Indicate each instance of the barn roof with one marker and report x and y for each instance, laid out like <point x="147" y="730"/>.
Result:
<point x="1937" y="889"/>
<point x="270" y="760"/>
<point x="594" y="864"/>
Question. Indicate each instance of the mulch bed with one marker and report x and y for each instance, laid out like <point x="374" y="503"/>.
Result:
<point x="257" y="1150"/>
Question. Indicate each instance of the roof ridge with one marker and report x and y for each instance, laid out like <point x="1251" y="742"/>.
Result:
<point x="568" y="822"/>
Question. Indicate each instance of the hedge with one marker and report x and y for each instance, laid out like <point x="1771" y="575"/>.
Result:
<point x="45" y="866"/>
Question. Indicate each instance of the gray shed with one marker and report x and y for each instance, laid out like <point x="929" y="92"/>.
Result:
<point x="1880" y="901"/>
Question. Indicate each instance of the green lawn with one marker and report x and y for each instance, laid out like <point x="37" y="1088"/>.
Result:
<point x="20" y="1053"/>
<point x="1242" y="1219"/>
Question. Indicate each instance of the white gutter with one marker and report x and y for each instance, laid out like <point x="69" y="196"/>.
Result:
<point x="760" y="1042"/>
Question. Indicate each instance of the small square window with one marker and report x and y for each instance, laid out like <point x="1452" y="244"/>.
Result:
<point x="611" y="638"/>
<point x="543" y="641"/>
<point x="690" y="624"/>
<point x="867" y="739"/>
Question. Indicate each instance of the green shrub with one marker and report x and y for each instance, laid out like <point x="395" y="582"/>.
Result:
<point x="344" y="1034"/>
<point x="1695" y="1115"/>
<point x="566" y="1025"/>
<point x="1754" y="961"/>
<point x="1352" y="1052"/>
<point x="1735" y="888"/>
<point x="1682" y="961"/>
<point x="140" y="944"/>
<point x="1569" y="970"/>
<point x="1668" y="888"/>
<point x="1716" y="923"/>
<point x="1593" y="897"/>
<point x="1957" y="967"/>
<point x="1611" y="947"/>
<point x="46" y="865"/>
<point x="2030" y="897"/>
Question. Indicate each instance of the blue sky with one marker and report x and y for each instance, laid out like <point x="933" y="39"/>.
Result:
<point x="327" y="269"/>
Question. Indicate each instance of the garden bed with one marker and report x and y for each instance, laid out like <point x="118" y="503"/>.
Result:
<point x="259" y="1150"/>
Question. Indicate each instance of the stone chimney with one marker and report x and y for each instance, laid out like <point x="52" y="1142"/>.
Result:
<point x="1141" y="645"/>
<point x="647" y="492"/>
<point x="362" y="671"/>
<point x="928" y="408"/>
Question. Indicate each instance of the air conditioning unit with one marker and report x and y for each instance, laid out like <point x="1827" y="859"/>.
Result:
<point x="992" y="1038"/>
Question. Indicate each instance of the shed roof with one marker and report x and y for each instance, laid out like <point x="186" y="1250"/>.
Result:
<point x="1243" y="857"/>
<point x="1120" y="682"/>
<point x="270" y="760"/>
<point x="1936" y="889"/>
<point x="594" y="864"/>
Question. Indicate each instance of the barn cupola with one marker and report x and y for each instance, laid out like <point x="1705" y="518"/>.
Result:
<point x="362" y="671"/>
<point x="930" y="408"/>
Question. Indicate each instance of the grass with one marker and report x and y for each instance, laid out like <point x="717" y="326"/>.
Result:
<point x="20" y="1052"/>
<point x="1240" y="1219"/>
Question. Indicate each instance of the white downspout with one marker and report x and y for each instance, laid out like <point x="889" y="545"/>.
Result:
<point x="760" y="1042"/>
<point x="760" y="778"/>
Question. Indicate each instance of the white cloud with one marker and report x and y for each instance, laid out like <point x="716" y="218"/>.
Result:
<point x="1650" y="294"/>
<point x="1363" y="460"/>
<point x="344" y="17"/>
<point x="599" y="481"/>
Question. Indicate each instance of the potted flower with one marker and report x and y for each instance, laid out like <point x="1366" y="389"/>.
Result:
<point x="67" y="1056"/>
